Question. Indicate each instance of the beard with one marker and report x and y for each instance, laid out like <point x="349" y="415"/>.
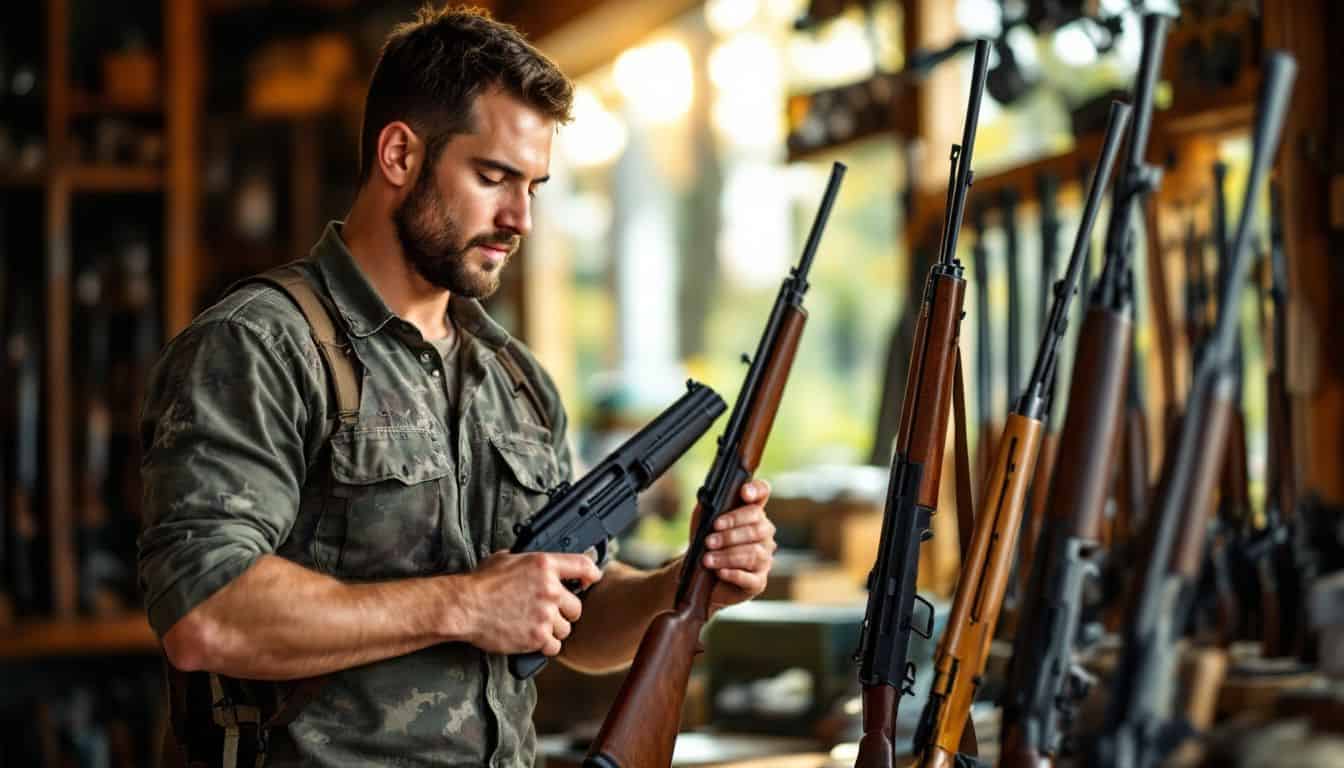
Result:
<point x="434" y="245"/>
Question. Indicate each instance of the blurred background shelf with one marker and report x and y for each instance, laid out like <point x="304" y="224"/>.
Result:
<point x="114" y="178"/>
<point x="77" y="637"/>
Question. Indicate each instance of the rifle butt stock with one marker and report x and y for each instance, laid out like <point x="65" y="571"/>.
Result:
<point x="877" y="748"/>
<point x="641" y="729"/>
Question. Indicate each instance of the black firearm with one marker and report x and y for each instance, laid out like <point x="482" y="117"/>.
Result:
<point x="1232" y="573"/>
<point x="641" y="727"/>
<point x="602" y="504"/>
<point x="1137" y="179"/>
<point x="1285" y="559"/>
<point x="1045" y="685"/>
<point x="1141" y="728"/>
<point x="916" y="468"/>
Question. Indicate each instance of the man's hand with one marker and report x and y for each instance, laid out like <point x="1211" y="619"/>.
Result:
<point x="742" y="548"/>
<point x="520" y="604"/>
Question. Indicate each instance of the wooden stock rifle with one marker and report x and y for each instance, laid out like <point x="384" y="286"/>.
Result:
<point x="1283" y="555"/>
<point x="964" y="647"/>
<point x="1142" y="727"/>
<point x="1045" y="685"/>
<point x="641" y="728"/>
<point x="885" y="674"/>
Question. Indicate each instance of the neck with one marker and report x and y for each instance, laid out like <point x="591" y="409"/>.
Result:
<point x="372" y="239"/>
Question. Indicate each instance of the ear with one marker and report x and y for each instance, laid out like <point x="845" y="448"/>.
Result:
<point x="400" y="152"/>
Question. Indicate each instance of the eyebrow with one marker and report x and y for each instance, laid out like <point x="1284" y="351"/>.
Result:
<point x="507" y="170"/>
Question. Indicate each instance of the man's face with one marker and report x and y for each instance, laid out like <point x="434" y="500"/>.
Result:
<point x="469" y="209"/>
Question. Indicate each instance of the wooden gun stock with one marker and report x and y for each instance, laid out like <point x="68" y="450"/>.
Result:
<point x="1188" y="553"/>
<point x="877" y="748"/>
<point x="964" y="648"/>
<point x="641" y="728"/>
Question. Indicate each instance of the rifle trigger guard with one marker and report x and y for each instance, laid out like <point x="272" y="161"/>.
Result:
<point x="927" y="633"/>
<point x="908" y="682"/>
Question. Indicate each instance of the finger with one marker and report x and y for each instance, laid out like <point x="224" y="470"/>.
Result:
<point x="552" y="647"/>
<point x="561" y="628"/>
<point x="571" y="607"/>
<point x="755" y="491"/>
<point x="751" y="583"/>
<point x="758" y="529"/>
<point x="576" y="567"/>
<point x="749" y="557"/>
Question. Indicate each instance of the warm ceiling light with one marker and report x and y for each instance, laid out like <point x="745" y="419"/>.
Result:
<point x="656" y="80"/>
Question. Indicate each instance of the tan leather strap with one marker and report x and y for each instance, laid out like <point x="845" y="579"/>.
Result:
<point x="332" y="345"/>
<point x="521" y="384"/>
<point x="965" y="500"/>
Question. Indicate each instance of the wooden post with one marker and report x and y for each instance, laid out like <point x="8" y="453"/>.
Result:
<point x="1314" y="380"/>
<point x="183" y="48"/>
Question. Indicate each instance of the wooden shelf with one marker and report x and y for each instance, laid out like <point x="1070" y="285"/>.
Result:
<point x="78" y="637"/>
<point x="22" y="179"/>
<point x="86" y="103"/>
<point x="112" y="178"/>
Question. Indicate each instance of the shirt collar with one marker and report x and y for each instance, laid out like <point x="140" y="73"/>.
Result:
<point x="365" y="312"/>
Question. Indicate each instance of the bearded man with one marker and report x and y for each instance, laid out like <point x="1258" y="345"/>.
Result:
<point x="290" y="538"/>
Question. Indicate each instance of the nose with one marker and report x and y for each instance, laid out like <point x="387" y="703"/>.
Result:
<point x="515" y="214"/>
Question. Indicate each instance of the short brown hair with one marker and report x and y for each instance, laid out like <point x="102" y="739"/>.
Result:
<point x="432" y="69"/>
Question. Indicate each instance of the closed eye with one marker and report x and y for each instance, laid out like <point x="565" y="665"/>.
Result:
<point x="489" y="182"/>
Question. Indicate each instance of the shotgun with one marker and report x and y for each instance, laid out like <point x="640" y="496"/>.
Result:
<point x="1045" y="684"/>
<point x="964" y="647"/>
<point x="1141" y="728"/>
<point x="916" y="468"/>
<point x="604" y="503"/>
<point x="641" y="727"/>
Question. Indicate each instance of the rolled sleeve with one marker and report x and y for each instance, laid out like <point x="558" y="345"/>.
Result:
<point x="224" y="434"/>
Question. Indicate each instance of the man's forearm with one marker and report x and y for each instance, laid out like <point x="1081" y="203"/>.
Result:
<point x="615" y="614"/>
<point x="280" y="621"/>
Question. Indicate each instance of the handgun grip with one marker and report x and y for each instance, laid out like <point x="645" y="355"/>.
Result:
<point x="525" y="665"/>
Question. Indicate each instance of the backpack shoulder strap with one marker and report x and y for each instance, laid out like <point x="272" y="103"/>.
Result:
<point x="522" y="385"/>
<point x="332" y="346"/>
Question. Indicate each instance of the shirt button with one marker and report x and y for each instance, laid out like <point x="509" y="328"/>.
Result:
<point x="424" y="357"/>
<point x="435" y="373"/>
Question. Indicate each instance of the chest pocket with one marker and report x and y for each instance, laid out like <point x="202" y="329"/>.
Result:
<point x="382" y="517"/>
<point x="528" y="469"/>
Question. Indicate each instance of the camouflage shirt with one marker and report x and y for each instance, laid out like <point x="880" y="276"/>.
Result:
<point x="238" y="465"/>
